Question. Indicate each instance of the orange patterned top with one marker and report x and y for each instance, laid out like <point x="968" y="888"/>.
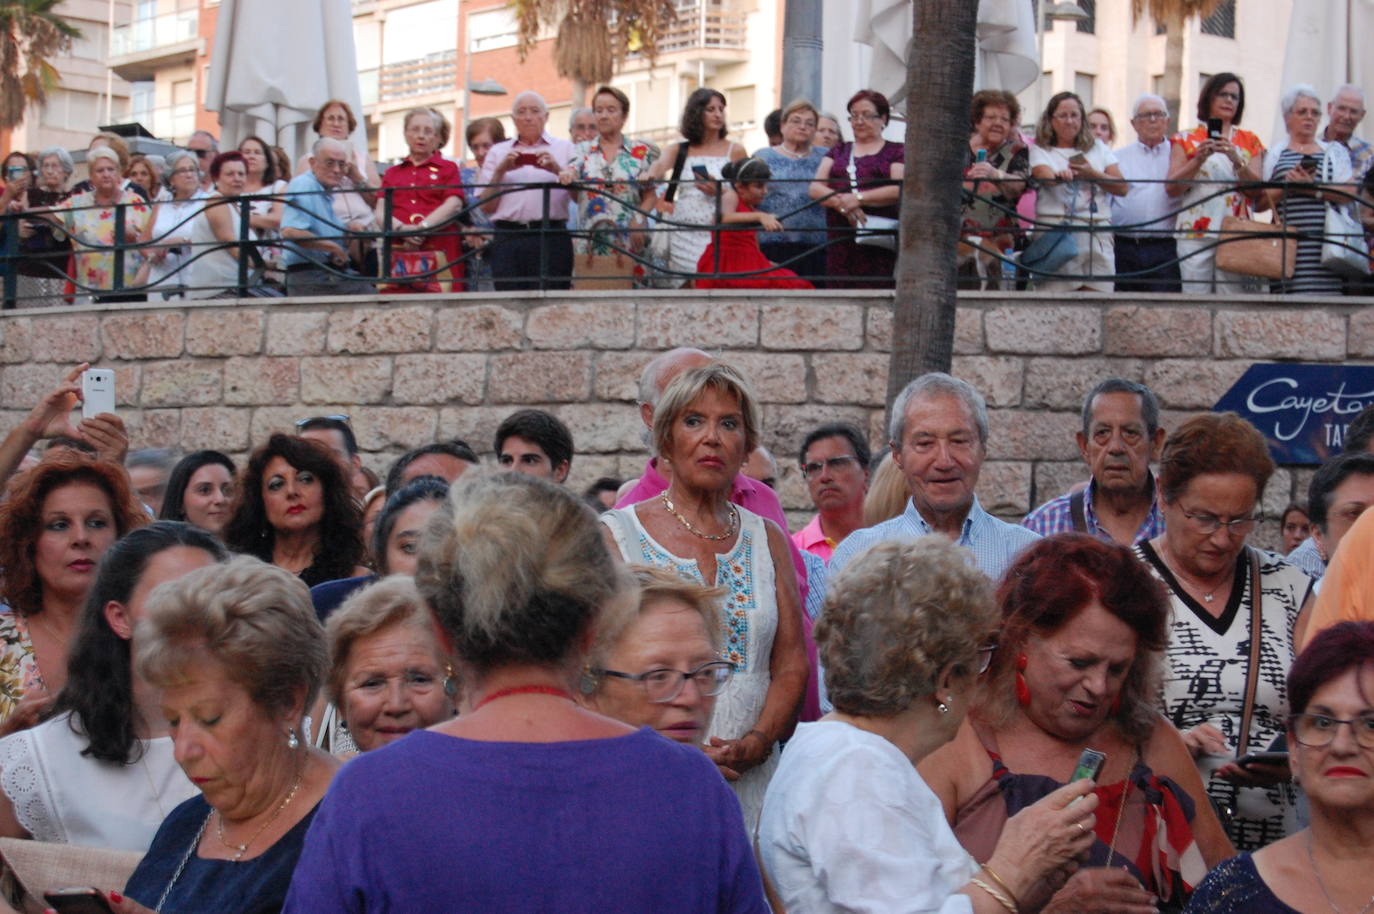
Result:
<point x="1203" y="207"/>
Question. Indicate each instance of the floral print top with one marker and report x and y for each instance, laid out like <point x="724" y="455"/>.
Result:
<point x="93" y="228"/>
<point x="1202" y="213"/>
<point x="621" y="189"/>
<point x="19" y="674"/>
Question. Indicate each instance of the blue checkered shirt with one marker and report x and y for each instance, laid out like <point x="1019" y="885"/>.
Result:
<point x="1055" y="516"/>
<point x="1308" y="558"/>
<point x="994" y="543"/>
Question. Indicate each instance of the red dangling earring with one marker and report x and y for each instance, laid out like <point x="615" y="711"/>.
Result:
<point x="1023" y="697"/>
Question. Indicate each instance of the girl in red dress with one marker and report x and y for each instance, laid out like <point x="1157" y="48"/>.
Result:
<point x="739" y="250"/>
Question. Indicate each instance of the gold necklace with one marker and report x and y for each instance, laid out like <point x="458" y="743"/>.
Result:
<point x="729" y="527"/>
<point x="241" y="849"/>
<point x="1183" y="579"/>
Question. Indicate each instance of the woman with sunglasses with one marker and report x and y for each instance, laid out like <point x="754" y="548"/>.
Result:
<point x="848" y="823"/>
<point x="1331" y="742"/>
<point x="1080" y="644"/>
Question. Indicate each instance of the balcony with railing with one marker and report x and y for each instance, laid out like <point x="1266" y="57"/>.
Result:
<point x="173" y="123"/>
<point x="706" y="30"/>
<point x="140" y="48"/>
<point x="407" y="80"/>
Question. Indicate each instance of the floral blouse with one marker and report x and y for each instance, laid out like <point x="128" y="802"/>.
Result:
<point x="93" y="229"/>
<point x="621" y="191"/>
<point x="1202" y="213"/>
<point x="19" y="674"/>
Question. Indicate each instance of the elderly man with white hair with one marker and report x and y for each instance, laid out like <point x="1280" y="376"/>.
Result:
<point x="1146" y="253"/>
<point x="316" y="258"/>
<point x="1345" y="112"/>
<point x="532" y="248"/>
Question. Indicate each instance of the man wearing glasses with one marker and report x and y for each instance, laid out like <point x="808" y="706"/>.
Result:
<point x="834" y="462"/>
<point x="316" y="259"/>
<point x="1145" y="224"/>
<point x="206" y="147"/>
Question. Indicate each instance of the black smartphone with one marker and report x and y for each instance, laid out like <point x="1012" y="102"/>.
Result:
<point x="701" y="172"/>
<point x="1214" y="128"/>
<point x="1276" y="753"/>
<point x="78" y="900"/>
<point x="1309" y="164"/>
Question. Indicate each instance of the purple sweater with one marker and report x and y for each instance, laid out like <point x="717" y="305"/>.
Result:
<point x="437" y="823"/>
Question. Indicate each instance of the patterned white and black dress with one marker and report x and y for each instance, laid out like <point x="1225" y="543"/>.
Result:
<point x="1204" y="682"/>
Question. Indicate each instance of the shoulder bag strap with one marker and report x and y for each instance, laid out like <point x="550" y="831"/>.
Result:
<point x="1080" y="518"/>
<point x="1251" y="671"/>
<point x="679" y="159"/>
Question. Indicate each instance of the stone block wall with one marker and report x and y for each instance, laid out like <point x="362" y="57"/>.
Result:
<point x="224" y="374"/>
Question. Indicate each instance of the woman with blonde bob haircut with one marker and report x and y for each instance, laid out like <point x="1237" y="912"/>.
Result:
<point x="658" y="664"/>
<point x="240" y="656"/>
<point x="904" y="636"/>
<point x="705" y="424"/>
<point x="518" y="576"/>
<point x="388" y="673"/>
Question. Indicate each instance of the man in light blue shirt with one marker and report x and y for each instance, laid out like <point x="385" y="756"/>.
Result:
<point x="316" y="262"/>
<point x="939" y="436"/>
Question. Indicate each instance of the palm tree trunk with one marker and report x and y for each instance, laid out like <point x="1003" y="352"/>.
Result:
<point x="1172" y="88"/>
<point x="940" y="77"/>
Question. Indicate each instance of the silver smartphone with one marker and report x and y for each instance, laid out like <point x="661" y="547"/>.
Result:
<point x="97" y="392"/>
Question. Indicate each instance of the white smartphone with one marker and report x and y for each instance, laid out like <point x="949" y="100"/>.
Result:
<point x="97" y="392"/>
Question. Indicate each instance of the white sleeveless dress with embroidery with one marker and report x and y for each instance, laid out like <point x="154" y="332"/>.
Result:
<point x="749" y="619"/>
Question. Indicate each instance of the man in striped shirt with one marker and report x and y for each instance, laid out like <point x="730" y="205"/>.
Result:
<point x="1120" y="437"/>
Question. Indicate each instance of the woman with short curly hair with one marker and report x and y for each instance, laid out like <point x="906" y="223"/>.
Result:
<point x="293" y="508"/>
<point x="57" y="520"/>
<point x="849" y="824"/>
<point x="1076" y="667"/>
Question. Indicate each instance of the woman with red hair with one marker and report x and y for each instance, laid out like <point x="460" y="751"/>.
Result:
<point x="1084" y="626"/>
<point x="57" y="520"/>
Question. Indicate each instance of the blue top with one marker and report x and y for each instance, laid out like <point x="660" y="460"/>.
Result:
<point x="787" y="191"/>
<point x="438" y="823"/>
<point x="312" y="211"/>
<point x="328" y="596"/>
<point x="1306" y="557"/>
<point x="256" y="886"/>
<point x="994" y="543"/>
<point x="1234" y="887"/>
<point x="1056" y="516"/>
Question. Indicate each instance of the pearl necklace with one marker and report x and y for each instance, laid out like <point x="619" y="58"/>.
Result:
<point x="729" y="528"/>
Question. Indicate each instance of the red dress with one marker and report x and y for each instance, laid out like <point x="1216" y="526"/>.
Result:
<point x="740" y="253"/>
<point x="420" y="191"/>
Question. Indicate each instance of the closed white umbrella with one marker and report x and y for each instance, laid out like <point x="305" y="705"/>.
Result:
<point x="274" y="63"/>
<point x="1328" y="45"/>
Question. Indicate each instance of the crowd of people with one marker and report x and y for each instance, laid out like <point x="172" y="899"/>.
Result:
<point x="1054" y="207"/>
<point x="291" y="685"/>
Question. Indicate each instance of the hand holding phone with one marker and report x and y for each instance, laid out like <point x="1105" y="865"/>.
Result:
<point x="1214" y="128"/>
<point x="1090" y="763"/>
<point x="97" y="392"/>
<point x="701" y="173"/>
<point x="525" y="159"/>
<point x="78" y="900"/>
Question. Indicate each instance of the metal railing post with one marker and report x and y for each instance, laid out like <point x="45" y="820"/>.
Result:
<point x="117" y="280"/>
<point x="245" y="229"/>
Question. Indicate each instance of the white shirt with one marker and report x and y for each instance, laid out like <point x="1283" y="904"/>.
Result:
<point x="849" y="826"/>
<point x="1074" y="199"/>
<point x="62" y="796"/>
<point x="1146" y="204"/>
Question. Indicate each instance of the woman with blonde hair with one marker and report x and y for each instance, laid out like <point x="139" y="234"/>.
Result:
<point x="463" y="813"/>
<point x="887" y="492"/>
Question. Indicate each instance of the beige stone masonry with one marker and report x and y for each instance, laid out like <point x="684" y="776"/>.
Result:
<point x="410" y="369"/>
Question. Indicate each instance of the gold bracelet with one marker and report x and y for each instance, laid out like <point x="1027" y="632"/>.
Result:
<point x="1003" y="883"/>
<point x="997" y="896"/>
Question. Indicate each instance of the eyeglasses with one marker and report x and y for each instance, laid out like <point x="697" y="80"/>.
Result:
<point x="860" y="118"/>
<point x="800" y="122"/>
<point x="336" y="164"/>
<point x="1152" y="116"/>
<point x="1207" y="524"/>
<point x="185" y="171"/>
<point x="337" y="417"/>
<point x="662" y="686"/>
<point x="833" y="464"/>
<point x="1318" y="730"/>
<point x="1233" y="96"/>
